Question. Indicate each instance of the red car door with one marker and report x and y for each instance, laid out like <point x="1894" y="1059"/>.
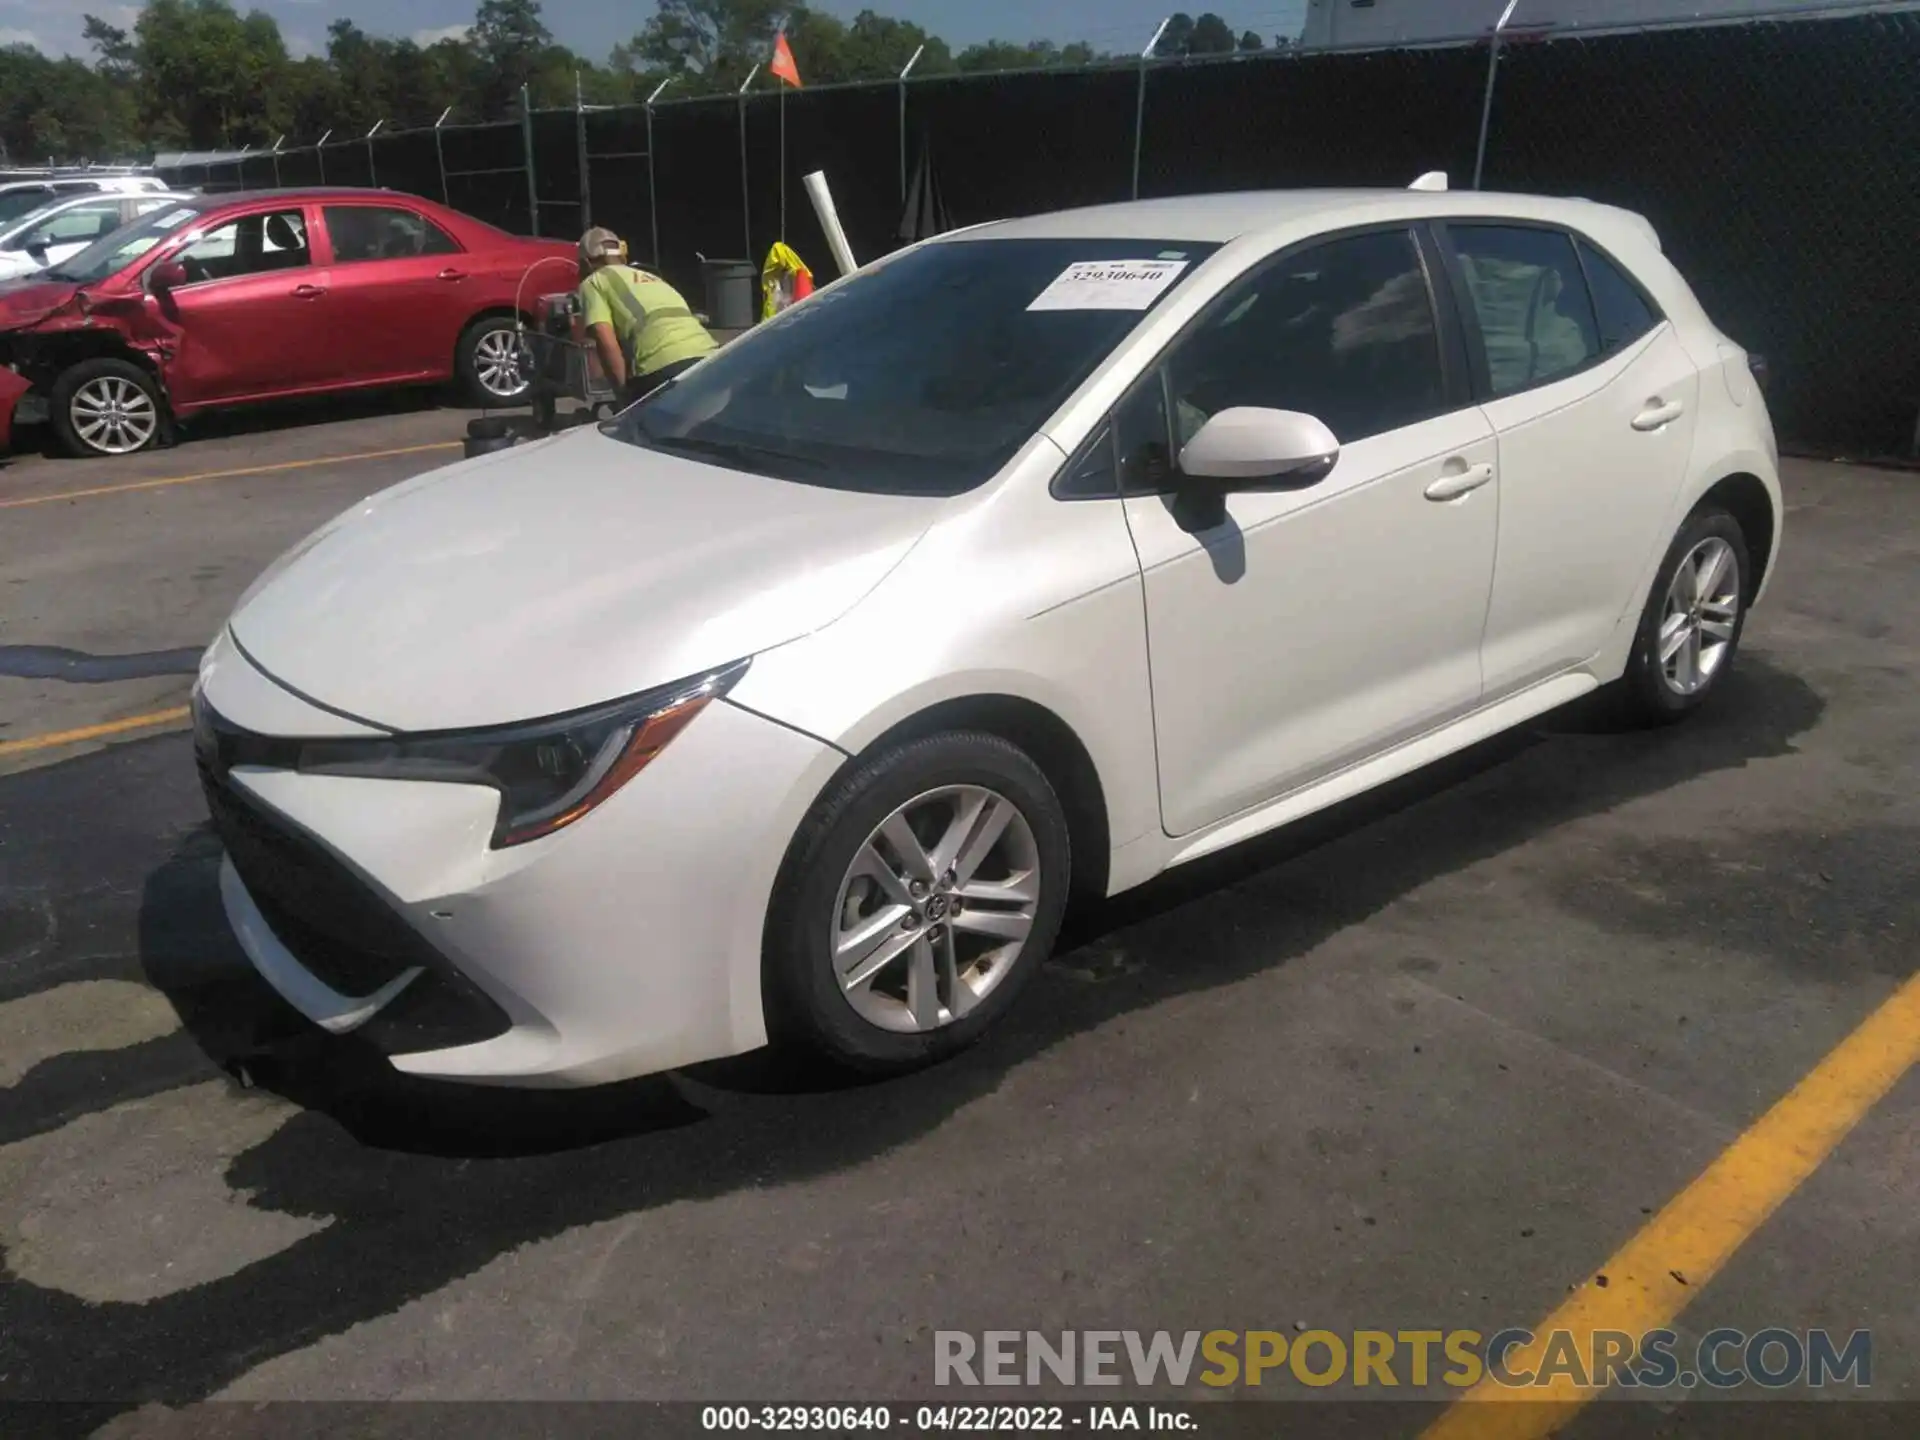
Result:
<point x="249" y="320"/>
<point x="398" y="276"/>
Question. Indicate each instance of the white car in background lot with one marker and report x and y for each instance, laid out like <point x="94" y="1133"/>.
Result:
<point x="797" y="700"/>
<point x="19" y="196"/>
<point x="60" y="230"/>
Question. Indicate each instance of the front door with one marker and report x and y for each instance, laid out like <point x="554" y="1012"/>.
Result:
<point x="1594" y="401"/>
<point x="1321" y="625"/>
<point x="250" y="321"/>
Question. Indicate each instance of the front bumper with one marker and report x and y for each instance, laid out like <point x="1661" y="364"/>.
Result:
<point x="625" y="944"/>
<point x="13" y="389"/>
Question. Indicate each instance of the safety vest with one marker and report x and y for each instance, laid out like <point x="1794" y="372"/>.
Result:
<point x="650" y="319"/>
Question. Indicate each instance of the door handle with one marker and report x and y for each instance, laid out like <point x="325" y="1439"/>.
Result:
<point x="308" y="292"/>
<point x="1657" y="414"/>
<point x="1452" y="487"/>
<point x="451" y="274"/>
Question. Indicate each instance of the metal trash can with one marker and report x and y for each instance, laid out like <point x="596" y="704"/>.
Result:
<point x="732" y="287"/>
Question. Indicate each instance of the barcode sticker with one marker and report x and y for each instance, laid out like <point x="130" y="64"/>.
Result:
<point x="1109" y="285"/>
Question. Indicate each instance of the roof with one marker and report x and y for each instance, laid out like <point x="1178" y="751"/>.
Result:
<point x="1221" y="218"/>
<point x="208" y="200"/>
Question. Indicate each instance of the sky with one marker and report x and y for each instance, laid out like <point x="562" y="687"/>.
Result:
<point x="593" y="27"/>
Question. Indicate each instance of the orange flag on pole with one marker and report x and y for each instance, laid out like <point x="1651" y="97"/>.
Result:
<point x="782" y="64"/>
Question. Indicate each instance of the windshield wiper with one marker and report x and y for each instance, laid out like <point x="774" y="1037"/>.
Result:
<point x="734" y="450"/>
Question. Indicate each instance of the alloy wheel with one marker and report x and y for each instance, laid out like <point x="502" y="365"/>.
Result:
<point x="113" y="416"/>
<point x="935" y="908"/>
<point x="500" y="363"/>
<point x="1701" y="614"/>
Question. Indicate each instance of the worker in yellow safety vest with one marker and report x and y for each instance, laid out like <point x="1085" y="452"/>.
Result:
<point x="643" y="329"/>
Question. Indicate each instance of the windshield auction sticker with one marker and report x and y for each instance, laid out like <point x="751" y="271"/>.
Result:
<point x="1109" y="285"/>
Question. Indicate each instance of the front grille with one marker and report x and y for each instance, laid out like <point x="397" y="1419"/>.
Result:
<point x="343" y="933"/>
<point x="340" y="932"/>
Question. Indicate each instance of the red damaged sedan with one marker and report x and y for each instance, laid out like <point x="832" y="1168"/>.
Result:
<point x="228" y="299"/>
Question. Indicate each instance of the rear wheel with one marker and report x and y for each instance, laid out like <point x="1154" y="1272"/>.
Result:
<point x="1691" y="627"/>
<point x="107" y="407"/>
<point x="494" y="363"/>
<point x="916" y="902"/>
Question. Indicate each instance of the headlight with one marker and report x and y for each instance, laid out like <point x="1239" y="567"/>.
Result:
<point x="548" y="772"/>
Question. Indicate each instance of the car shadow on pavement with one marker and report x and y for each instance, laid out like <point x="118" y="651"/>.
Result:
<point x="277" y="415"/>
<point x="421" y="1184"/>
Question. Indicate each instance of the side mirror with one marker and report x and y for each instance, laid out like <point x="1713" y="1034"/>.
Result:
<point x="1249" y="449"/>
<point x="168" y="276"/>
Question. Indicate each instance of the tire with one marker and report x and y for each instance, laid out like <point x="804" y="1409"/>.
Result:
<point x="478" y="357"/>
<point x="108" y="407"/>
<point x="1656" y="689"/>
<point x="881" y="1026"/>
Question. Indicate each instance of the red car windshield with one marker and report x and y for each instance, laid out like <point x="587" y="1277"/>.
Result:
<point x="111" y="254"/>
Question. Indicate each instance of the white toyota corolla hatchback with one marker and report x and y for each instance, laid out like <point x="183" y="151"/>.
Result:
<point x="796" y="701"/>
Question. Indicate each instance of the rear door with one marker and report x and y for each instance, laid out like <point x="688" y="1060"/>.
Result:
<point x="1593" y="400"/>
<point x="251" y="321"/>
<point x="397" y="275"/>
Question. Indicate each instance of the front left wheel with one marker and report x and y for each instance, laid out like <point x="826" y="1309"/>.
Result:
<point x="494" y="362"/>
<point x="107" y="407"/>
<point x="915" y="903"/>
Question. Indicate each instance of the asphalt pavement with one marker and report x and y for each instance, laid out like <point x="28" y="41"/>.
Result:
<point x="1427" y="1062"/>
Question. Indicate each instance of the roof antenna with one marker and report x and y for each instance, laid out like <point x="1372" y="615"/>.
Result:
<point x="1432" y="180"/>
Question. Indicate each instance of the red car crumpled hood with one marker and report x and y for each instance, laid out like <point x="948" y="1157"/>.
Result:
<point x="32" y="302"/>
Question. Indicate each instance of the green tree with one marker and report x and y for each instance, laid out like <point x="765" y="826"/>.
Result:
<point x="1177" y="36"/>
<point x="510" y="39"/>
<point x="1211" y="36"/>
<point x="118" y="56"/>
<point x="712" y="44"/>
<point x="208" y="77"/>
<point x="61" y="110"/>
<point x="1250" y="41"/>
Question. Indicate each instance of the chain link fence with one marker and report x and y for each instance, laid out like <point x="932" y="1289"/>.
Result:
<point x="1779" y="158"/>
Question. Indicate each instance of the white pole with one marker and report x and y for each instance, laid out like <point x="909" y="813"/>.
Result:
<point x="906" y="70"/>
<point x="1140" y="101"/>
<point x="830" y="222"/>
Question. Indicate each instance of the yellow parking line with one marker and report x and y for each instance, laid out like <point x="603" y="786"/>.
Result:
<point x="1650" y="1280"/>
<point x="227" y="474"/>
<point x="92" y="732"/>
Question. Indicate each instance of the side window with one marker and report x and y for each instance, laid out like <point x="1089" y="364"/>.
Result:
<point x="1344" y="331"/>
<point x="1623" y="312"/>
<point x="1140" y="439"/>
<point x="1129" y="455"/>
<point x="251" y="245"/>
<point x="23" y="200"/>
<point x="1531" y="299"/>
<point x="1090" y="475"/>
<point x="83" y="223"/>
<point x="380" y="232"/>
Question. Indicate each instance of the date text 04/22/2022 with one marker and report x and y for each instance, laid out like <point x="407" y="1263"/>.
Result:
<point x="988" y="1419"/>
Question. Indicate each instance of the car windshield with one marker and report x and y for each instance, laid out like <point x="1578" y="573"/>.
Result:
<point x="111" y="254"/>
<point x="922" y="376"/>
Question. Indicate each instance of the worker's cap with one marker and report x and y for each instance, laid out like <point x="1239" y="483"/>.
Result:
<point x="600" y="243"/>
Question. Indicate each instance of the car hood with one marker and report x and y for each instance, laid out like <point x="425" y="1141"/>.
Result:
<point x="27" y="302"/>
<point x="557" y="575"/>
